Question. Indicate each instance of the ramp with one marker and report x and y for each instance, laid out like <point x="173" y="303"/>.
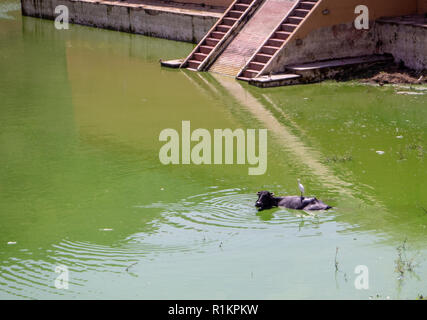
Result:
<point x="254" y="33"/>
<point x="220" y="34"/>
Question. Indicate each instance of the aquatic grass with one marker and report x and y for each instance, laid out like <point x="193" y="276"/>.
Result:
<point x="335" y="158"/>
<point x="336" y="260"/>
<point x="403" y="263"/>
<point x="401" y="156"/>
<point x="130" y="266"/>
<point x="337" y="269"/>
<point x="419" y="148"/>
<point x="408" y="148"/>
<point x="106" y="173"/>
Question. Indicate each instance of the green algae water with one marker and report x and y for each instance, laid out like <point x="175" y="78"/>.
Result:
<point x="81" y="184"/>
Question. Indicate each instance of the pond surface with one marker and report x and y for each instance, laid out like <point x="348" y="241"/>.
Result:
<point x="81" y="184"/>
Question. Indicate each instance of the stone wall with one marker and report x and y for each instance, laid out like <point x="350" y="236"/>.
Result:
<point x="322" y="36"/>
<point x="407" y="43"/>
<point x="337" y="41"/>
<point x="329" y="33"/>
<point x="162" y="22"/>
<point x="214" y="3"/>
<point x="422" y="6"/>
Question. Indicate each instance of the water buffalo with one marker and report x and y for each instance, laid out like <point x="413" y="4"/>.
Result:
<point x="267" y="200"/>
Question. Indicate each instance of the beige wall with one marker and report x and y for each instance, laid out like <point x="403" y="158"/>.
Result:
<point x="422" y="6"/>
<point x="213" y="3"/>
<point x="341" y="12"/>
<point x="343" y="9"/>
<point x="334" y="36"/>
<point x="405" y="42"/>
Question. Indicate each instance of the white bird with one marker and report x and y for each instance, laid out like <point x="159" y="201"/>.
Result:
<point x="301" y="188"/>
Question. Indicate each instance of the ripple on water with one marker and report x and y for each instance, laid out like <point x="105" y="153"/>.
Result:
<point x="7" y="7"/>
<point x="27" y="278"/>
<point x="85" y="256"/>
<point x="212" y="213"/>
<point x="229" y="208"/>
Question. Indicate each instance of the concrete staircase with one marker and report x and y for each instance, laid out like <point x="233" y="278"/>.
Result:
<point x="254" y="33"/>
<point x="247" y="37"/>
<point x="322" y="70"/>
<point x="220" y="34"/>
<point x="275" y="41"/>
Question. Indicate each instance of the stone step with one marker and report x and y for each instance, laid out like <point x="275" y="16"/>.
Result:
<point x="223" y="28"/>
<point x="307" y="4"/>
<point x="328" y="69"/>
<point x="337" y="63"/>
<point x="234" y="13"/>
<point x="229" y="20"/>
<point x="295" y="20"/>
<point x="262" y="57"/>
<point x="212" y="42"/>
<point x="269" y="50"/>
<point x="300" y="12"/>
<point x="172" y="63"/>
<point x="256" y="65"/>
<point x="249" y="73"/>
<point x="275" y="42"/>
<point x="217" y="34"/>
<point x="290" y="21"/>
<point x="215" y="38"/>
<point x="282" y="35"/>
<point x="275" y="80"/>
<point x="251" y="37"/>
<point x="193" y="64"/>
<point x="200" y="56"/>
<point x="206" y="49"/>
<point x="241" y="6"/>
<point x="288" y="27"/>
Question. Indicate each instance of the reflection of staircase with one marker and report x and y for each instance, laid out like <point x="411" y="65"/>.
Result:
<point x="276" y="40"/>
<point x="220" y="35"/>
